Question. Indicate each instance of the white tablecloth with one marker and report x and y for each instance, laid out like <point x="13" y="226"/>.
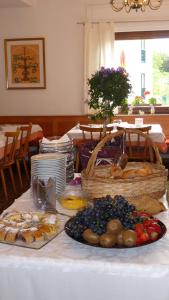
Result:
<point x="67" y="270"/>
<point x="156" y="133"/>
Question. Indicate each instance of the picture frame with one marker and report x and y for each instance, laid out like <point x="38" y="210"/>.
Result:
<point x="25" y="63"/>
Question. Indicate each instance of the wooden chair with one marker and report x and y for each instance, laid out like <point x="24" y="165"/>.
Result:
<point x="23" y="152"/>
<point x="93" y="131"/>
<point x="91" y="135"/>
<point x="138" y="143"/>
<point x="144" y="129"/>
<point x="9" y="159"/>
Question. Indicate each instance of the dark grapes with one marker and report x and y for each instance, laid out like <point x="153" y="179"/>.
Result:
<point x="103" y="210"/>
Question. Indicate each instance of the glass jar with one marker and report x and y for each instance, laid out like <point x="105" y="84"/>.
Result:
<point x="74" y="198"/>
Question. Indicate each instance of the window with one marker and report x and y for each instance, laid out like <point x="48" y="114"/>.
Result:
<point x="143" y="51"/>
<point x="142" y="85"/>
<point x="152" y="67"/>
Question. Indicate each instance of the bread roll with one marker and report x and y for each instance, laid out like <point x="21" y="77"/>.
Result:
<point x="116" y="172"/>
<point x="143" y="172"/>
<point x="129" y="173"/>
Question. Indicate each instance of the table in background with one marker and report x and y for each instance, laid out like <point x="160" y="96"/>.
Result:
<point x="67" y="270"/>
<point x="156" y="133"/>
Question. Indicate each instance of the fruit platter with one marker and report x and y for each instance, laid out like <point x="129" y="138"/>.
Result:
<point x="114" y="223"/>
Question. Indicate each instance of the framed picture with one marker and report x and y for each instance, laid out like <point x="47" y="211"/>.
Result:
<point x="25" y="63"/>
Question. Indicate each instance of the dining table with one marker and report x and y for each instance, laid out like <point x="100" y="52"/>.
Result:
<point x="155" y="133"/>
<point x="65" y="269"/>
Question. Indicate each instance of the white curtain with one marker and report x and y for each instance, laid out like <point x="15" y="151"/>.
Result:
<point x="99" y="45"/>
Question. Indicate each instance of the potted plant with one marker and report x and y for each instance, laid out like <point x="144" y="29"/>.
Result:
<point x="152" y="101"/>
<point x="138" y="100"/>
<point x="108" y="88"/>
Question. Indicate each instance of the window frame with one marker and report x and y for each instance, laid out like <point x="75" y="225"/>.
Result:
<point x="138" y="35"/>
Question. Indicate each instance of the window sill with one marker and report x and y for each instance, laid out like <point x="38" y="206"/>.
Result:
<point x="159" y="109"/>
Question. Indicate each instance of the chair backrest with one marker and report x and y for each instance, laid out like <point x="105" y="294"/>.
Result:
<point x="138" y="145"/>
<point x="92" y="131"/>
<point x="24" y="139"/>
<point x="10" y="146"/>
<point x="144" y="129"/>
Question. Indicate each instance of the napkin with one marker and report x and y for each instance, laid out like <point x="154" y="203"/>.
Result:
<point x="63" y="139"/>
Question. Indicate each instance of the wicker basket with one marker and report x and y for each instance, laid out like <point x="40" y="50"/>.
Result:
<point x="96" y="180"/>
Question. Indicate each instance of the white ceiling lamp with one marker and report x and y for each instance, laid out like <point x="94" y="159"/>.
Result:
<point x="128" y="5"/>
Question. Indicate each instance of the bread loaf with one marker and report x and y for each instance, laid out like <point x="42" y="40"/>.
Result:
<point x="131" y="173"/>
<point x="148" y="204"/>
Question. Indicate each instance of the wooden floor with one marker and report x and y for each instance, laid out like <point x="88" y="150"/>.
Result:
<point x="26" y="184"/>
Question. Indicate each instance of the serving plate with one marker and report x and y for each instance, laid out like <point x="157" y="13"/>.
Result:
<point x="12" y="221"/>
<point x="81" y="240"/>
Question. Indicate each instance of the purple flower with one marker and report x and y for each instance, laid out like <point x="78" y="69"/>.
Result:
<point x="106" y="72"/>
<point x="121" y="70"/>
<point x="113" y="70"/>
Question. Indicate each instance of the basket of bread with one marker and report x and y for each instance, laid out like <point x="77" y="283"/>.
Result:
<point x="138" y="181"/>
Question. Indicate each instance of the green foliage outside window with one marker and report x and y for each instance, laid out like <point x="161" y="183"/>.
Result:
<point x="161" y="76"/>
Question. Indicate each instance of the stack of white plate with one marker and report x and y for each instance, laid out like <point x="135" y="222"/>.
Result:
<point x="49" y="165"/>
<point x="58" y="146"/>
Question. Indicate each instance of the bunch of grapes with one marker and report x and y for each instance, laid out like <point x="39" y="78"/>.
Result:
<point x="103" y="210"/>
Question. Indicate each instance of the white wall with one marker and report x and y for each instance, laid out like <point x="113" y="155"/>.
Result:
<point x="64" y="53"/>
<point x="56" y="21"/>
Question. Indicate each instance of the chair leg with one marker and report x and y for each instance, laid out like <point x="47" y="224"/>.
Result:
<point x="19" y="172"/>
<point x="12" y="179"/>
<point x="4" y="184"/>
<point x="26" y="169"/>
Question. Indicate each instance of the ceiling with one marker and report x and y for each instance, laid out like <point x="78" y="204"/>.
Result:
<point x="24" y="3"/>
<point x="15" y="3"/>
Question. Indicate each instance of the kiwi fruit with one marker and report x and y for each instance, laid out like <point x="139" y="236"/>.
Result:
<point x="114" y="226"/>
<point x="107" y="240"/>
<point x="129" y="237"/>
<point x="90" y="237"/>
<point x="120" y="238"/>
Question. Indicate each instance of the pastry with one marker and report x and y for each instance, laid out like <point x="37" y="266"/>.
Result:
<point x="14" y="217"/>
<point x="50" y="219"/>
<point x="11" y="234"/>
<point x="26" y="235"/>
<point x="48" y="229"/>
<point x="28" y="227"/>
<point x="2" y="232"/>
<point x="38" y="235"/>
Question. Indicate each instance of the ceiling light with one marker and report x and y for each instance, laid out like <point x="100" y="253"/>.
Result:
<point x="128" y="5"/>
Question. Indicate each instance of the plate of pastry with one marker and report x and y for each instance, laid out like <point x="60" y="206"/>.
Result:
<point x="29" y="229"/>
